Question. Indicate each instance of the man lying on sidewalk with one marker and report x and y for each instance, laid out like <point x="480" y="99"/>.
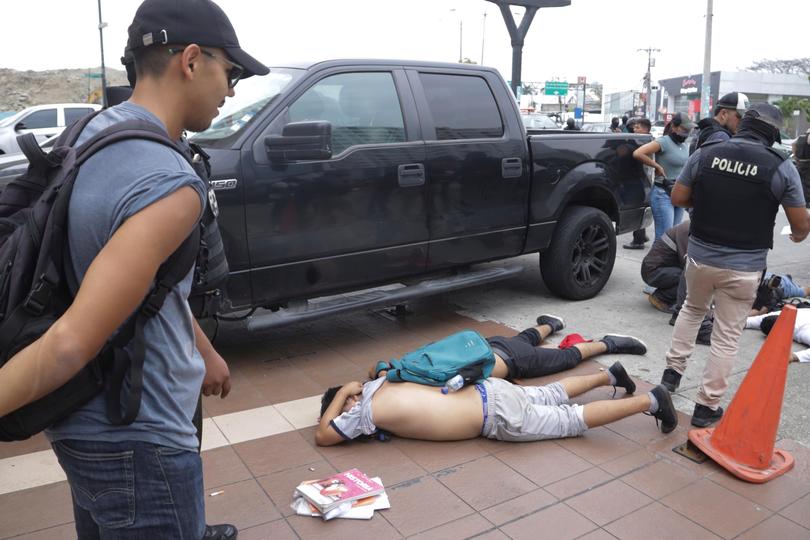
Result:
<point x="801" y="331"/>
<point x="495" y="408"/>
<point x="524" y="356"/>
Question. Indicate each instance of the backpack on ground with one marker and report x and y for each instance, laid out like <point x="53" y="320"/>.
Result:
<point x="37" y="283"/>
<point x="465" y="353"/>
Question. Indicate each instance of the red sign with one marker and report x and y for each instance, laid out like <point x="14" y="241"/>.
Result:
<point x="580" y="80"/>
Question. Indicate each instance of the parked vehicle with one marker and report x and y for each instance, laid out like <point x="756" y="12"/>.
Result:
<point x="538" y="121"/>
<point x="336" y="178"/>
<point x="657" y="129"/>
<point x="44" y="121"/>
<point x="596" y="127"/>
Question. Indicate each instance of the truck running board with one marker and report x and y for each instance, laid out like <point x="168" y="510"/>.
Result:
<point x="380" y="297"/>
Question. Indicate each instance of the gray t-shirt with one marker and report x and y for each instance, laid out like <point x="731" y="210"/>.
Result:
<point x="358" y="420"/>
<point x="786" y="186"/>
<point x="672" y="155"/>
<point x="111" y="186"/>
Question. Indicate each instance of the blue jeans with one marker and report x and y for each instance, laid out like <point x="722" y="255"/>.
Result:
<point x="788" y="287"/>
<point x="133" y="490"/>
<point x="665" y="216"/>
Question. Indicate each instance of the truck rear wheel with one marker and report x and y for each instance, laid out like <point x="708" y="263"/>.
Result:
<point x="578" y="263"/>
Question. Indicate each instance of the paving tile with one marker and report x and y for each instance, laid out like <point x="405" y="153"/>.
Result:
<point x="29" y="471"/>
<point x="276" y="453"/>
<point x="222" y="466"/>
<point x="281" y="485"/>
<point x="630" y="462"/>
<point x="775" y="494"/>
<point x="34" y="509"/>
<point x="212" y="436"/>
<point x="277" y="530"/>
<point x="286" y="384"/>
<point x="716" y="508"/>
<point x="776" y="527"/>
<point x="543" y="462"/>
<point x="579" y="483"/>
<point x="252" y="424"/>
<point x="608" y="502"/>
<point x="660" y="479"/>
<point x="667" y="524"/>
<point x="301" y="413"/>
<point x="379" y="459"/>
<point x="641" y="429"/>
<point x="801" y="470"/>
<point x="492" y="535"/>
<point x="62" y="532"/>
<point x="434" y="457"/>
<point x="244" y="504"/>
<point x="799" y="511"/>
<point x="484" y="482"/>
<point x="313" y="528"/>
<point x="599" y="445"/>
<point x="36" y="443"/>
<point x="243" y="396"/>
<point x="598" y="534"/>
<point x="559" y="522"/>
<point x="519" y="507"/>
<point x="466" y="527"/>
<point x="422" y="504"/>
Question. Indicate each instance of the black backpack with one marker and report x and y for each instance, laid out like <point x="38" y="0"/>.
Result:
<point x="37" y="283"/>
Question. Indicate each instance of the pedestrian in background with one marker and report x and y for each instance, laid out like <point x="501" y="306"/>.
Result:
<point x="735" y="189"/>
<point x="666" y="155"/>
<point x="641" y="126"/>
<point x="727" y="115"/>
<point x="614" y="125"/>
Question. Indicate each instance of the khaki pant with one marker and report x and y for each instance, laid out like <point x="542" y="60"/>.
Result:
<point x="733" y="292"/>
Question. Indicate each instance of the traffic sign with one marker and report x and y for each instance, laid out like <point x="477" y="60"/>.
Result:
<point x="556" y="88"/>
<point x="91" y="75"/>
<point x="581" y="80"/>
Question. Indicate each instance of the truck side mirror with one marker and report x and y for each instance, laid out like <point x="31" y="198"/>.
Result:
<point x="301" y="141"/>
<point x="20" y="126"/>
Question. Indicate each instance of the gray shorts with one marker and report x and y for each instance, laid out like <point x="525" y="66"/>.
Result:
<point x="529" y="413"/>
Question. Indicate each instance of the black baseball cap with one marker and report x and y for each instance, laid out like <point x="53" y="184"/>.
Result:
<point x="161" y="22"/>
<point x="733" y="100"/>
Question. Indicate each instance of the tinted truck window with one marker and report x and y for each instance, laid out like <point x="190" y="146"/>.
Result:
<point x="74" y="113"/>
<point x="463" y="107"/>
<point x="45" y="118"/>
<point x="363" y="108"/>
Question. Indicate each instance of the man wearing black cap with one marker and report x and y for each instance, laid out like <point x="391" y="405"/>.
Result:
<point x="133" y="204"/>
<point x="735" y="189"/>
<point x="727" y="115"/>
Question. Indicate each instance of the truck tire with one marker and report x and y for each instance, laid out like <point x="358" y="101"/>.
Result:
<point x="578" y="263"/>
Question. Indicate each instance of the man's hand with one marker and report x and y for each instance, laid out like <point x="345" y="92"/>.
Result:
<point x="352" y="389"/>
<point x="217" y="381"/>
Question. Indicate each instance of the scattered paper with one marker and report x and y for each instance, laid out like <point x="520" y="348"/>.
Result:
<point x="786" y="230"/>
<point x="361" y="509"/>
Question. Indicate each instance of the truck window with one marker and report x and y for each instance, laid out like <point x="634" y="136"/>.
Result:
<point x="462" y="106"/>
<point x="46" y="118"/>
<point x="363" y="108"/>
<point x="74" y="113"/>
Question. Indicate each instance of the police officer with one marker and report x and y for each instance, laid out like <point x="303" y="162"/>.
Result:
<point x="727" y="115"/>
<point x="735" y="189"/>
<point x="801" y="155"/>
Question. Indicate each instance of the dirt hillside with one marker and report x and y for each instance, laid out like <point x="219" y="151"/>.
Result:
<point x="21" y="89"/>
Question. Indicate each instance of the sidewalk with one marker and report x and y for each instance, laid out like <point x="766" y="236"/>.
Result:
<point x="621" y="481"/>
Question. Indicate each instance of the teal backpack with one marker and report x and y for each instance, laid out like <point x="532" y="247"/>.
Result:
<point x="465" y="353"/>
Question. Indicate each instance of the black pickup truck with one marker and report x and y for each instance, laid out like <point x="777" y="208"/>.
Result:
<point x="342" y="176"/>
<point x="345" y="175"/>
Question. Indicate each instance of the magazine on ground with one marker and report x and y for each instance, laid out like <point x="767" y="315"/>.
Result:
<point x="328" y="493"/>
<point x="359" y="509"/>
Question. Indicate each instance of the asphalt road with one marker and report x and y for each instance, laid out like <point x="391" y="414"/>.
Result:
<point x="623" y="308"/>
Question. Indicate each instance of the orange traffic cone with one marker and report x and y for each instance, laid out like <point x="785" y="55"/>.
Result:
<point x="743" y="441"/>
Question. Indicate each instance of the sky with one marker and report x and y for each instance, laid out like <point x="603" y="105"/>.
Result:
<point x="598" y="39"/>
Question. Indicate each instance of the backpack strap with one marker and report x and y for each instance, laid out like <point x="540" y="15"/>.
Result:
<point x="129" y="129"/>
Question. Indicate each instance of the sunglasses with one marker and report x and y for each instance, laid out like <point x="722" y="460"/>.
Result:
<point x="235" y="71"/>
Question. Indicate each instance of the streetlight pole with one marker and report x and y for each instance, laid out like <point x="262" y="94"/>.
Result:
<point x="705" y="92"/>
<point x="483" y="35"/>
<point x="460" y="34"/>
<point x="649" y="51"/>
<point x="101" y="26"/>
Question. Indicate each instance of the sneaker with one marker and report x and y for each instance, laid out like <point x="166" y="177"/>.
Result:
<point x="623" y="380"/>
<point x="659" y="304"/>
<point x="633" y="245"/>
<point x="220" y="532"/>
<point x="703" y="416"/>
<point x="618" y="344"/>
<point x="671" y="379"/>
<point x="666" y="410"/>
<point x="556" y="323"/>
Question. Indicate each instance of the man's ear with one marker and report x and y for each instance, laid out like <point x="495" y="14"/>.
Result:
<point x="191" y="54"/>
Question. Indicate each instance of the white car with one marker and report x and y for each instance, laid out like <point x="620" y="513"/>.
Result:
<point x="44" y="121"/>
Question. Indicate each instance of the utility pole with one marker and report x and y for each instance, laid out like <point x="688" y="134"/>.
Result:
<point x="648" y="79"/>
<point x="460" y="39"/>
<point x="705" y="91"/>
<point x="483" y="35"/>
<point x="101" y="26"/>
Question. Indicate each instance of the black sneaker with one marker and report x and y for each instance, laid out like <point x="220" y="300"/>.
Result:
<point x="220" y="532"/>
<point x="618" y="344"/>
<point x="634" y="245"/>
<point x="556" y="323"/>
<point x="703" y="416"/>
<point x="623" y="380"/>
<point x="666" y="410"/>
<point x="671" y="379"/>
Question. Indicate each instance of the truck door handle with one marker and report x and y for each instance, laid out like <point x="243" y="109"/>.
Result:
<point x="511" y="167"/>
<point x="411" y="175"/>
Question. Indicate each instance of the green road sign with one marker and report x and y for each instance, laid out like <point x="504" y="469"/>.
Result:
<point x="556" y="88"/>
<point x="93" y="75"/>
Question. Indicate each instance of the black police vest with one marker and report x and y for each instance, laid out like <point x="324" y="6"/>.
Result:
<point x="803" y="146"/>
<point x="732" y="200"/>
